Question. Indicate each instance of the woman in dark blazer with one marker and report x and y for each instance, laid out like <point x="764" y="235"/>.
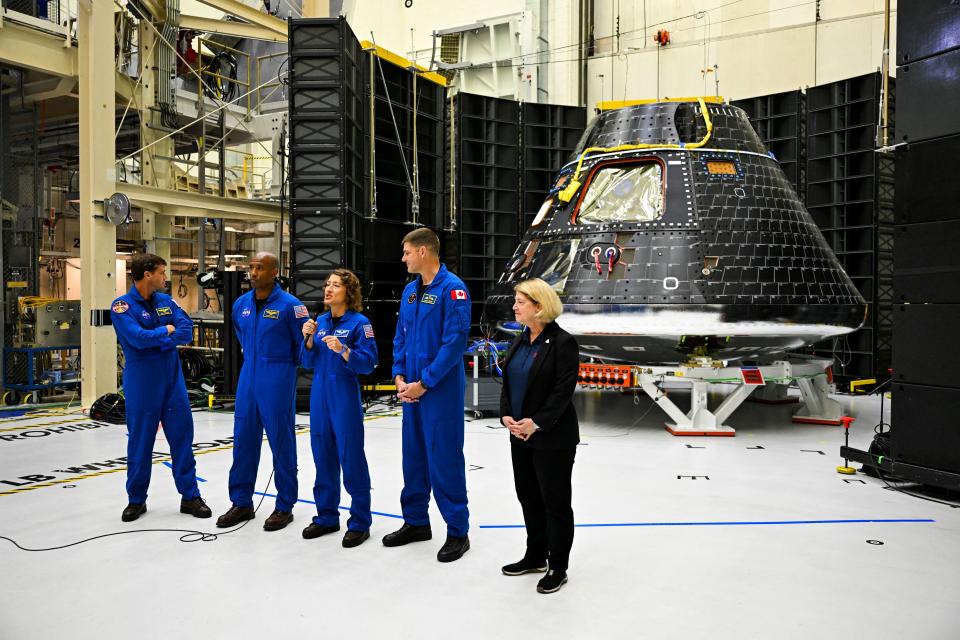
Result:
<point x="536" y="404"/>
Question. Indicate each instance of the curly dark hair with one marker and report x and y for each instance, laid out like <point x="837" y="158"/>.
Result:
<point x="352" y="284"/>
<point x="144" y="263"/>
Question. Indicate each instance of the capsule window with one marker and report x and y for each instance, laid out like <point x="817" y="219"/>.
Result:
<point x="624" y="194"/>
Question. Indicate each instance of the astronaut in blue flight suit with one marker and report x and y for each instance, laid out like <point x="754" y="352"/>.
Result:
<point x="149" y="326"/>
<point x="431" y="337"/>
<point x="268" y="323"/>
<point x="338" y="346"/>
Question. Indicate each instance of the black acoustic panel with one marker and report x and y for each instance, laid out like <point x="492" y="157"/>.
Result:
<point x="850" y="196"/>
<point x="315" y="189"/>
<point x="315" y="71"/>
<point x="926" y="178"/>
<point x="488" y="177"/>
<point x="925" y="426"/>
<point x="314" y="35"/>
<point x="315" y="100"/>
<point x="926" y="27"/>
<point x="924" y="338"/>
<point x="383" y="318"/>
<point x="780" y="121"/>
<point x="324" y="131"/>
<point x="930" y="99"/>
<point x="926" y="263"/>
<point x="316" y="222"/>
<point x="317" y="256"/>
<point x="549" y="134"/>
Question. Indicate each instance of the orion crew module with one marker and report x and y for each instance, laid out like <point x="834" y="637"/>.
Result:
<point x="672" y="232"/>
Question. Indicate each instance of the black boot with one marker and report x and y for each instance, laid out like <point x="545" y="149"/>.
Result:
<point x="314" y="530"/>
<point x="524" y="566"/>
<point x="133" y="511"/>
<point x="277" y="520"/>
<point x="195" y="507"/>
<point x="235" y="516"/>
<point x="453" y="549"/>
<point x="407" y="534"/>
<point x="552" y="582"/>
<point x="353" y="539"/>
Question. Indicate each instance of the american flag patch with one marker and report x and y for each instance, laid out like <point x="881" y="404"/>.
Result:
<point x="368" y="330"/>
<point x="458" y="294"/>
<point x="300" y="311"/>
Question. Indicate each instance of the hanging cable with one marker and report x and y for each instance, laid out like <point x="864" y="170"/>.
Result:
<point x="393" y="117"/>
<point x="415" y="196"/>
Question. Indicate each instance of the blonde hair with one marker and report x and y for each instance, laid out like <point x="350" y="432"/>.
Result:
<point x="542" y="295"/>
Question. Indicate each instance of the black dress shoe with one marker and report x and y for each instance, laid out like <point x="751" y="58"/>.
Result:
<point x="524" y="566"/>
<point x="406" y="534"/>
<point x="314" y="530"/>
<point x="196" y="508"/>
<point x="354" y="538"/>
<point x="552" y="582"/>
<point x="453" y="549"/>
<point x="235" y="516"/>
<point x="277" y="520"/>
<point x="133" y="511"/>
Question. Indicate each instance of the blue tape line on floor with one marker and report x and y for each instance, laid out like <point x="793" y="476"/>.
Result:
<point x="376" y="513"/>
<point x="720" y="524"/>
<point x="167" y="464"/>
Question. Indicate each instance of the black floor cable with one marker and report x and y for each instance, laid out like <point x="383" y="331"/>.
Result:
<point x="189" y="535"/>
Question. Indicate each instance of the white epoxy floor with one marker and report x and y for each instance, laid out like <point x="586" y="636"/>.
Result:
<point x="743" y="554"/>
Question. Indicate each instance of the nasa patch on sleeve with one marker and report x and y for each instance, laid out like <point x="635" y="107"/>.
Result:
<point x="120" y="306"/>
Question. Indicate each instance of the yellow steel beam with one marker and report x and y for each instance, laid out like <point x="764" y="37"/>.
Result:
<point x="98" y="238"/>
<point x="316" y="9"/>
<point x="249" y="14"/>
<point x="154" y="8"/>
<point x="400" y="61"/>
<point x="36" y="50"/>
<point x="195" y="205"/>
<point x="231" y="28"/>
<point x="28" y="48"/>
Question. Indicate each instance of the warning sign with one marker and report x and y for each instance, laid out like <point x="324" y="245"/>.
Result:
<point x="751" y="376"/>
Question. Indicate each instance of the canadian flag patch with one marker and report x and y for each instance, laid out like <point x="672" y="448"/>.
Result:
<point x="458" y="294"/>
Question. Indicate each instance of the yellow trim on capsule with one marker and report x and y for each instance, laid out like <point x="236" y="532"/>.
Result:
<point x="610" y="105"/>
<point x="566" y="195"/>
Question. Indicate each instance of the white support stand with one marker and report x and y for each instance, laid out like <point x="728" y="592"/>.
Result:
<point x="773" y="394"/>
<point x="818" y="407"/>
<point x="700" y="420"/>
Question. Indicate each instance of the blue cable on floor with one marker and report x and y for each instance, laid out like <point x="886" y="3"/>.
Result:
<point x="167" y="464"/>
<point x="720" y="524"/>
<point x="376" y="513"/>
<point x="664" y="524"/>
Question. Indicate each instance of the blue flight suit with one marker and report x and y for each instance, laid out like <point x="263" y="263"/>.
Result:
<point x="336" y="417"/>
<point x="154" y="390"/>
<point x="432" y="332"/>
<point x="267" y="393"/>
